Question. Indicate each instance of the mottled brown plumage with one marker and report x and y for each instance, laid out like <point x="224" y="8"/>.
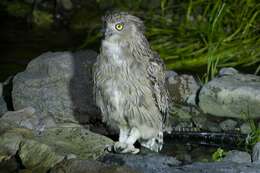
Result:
<point x="130" y="84"/>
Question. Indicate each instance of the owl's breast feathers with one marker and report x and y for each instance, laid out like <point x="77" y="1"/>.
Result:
<point x="141" y="85"/>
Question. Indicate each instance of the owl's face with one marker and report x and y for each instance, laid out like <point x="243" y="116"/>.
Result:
<point x="121" y="26"/>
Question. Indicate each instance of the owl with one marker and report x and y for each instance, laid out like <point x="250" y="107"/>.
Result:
<point x="129" y="84"/>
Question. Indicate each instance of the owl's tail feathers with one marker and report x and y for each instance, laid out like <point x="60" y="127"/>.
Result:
<point x="154" y="144"/>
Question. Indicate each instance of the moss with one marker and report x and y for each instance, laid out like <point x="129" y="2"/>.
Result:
<point x="42" y="19"/>
<point x="18" y="9"/>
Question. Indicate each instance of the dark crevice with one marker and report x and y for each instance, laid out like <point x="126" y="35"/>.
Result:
<point x="7" y="92"/>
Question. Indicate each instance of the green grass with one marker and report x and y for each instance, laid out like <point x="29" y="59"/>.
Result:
<point x="199" y="35"/>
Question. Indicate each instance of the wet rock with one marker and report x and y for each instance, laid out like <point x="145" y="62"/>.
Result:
<point x="256" y="153"/>
<point x="58" y="85"/>
<point x="228" y="125"/>
<point x="245" y="128"/>
<point x="217" y="167"/>
<point x="182" y="88"/>
<point x="3" y="107"/>
<point x="237" y="156"/>
<point x="231" y="96"/>
<point x="148" y="163"/>
<point x="154" y="163"/>
<point x="88" y="166"/>
<point x="27" y="118"/>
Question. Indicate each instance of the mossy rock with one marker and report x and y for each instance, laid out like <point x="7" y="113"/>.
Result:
<point x="39" y="152"/>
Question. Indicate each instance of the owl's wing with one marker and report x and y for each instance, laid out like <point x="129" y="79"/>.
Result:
<point x="156" y="74"/>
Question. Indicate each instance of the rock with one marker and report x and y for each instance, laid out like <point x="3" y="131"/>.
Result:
<point x="7" y="163"/>
<point x="3" y="106"/>
<point x="27" y="118"/>
<point x="66" y="4"/>
<point x="216" y="167"/>
<point x="256" y="153"/>
<point x="227" y="71"/>
<point x="212" y="126"/>
<point x="155" y="163"/>
<point x="245" y="128"/>
<point x="231" y="96"/>
<point x="199" y="121"/>
<point x="38" y="157"/>
<point x="39" y="152"/>
<point x="147" y="163"/>
<point x="228" y="125"/>
<point x="182" y="88"/>
<point x="73" y="140"/>
<point x="237" y="156"/>
<point x="88" y="166"/>
<point x="58" y="85"/>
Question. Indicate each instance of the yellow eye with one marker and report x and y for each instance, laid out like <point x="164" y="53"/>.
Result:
<point x="119" y="26"/>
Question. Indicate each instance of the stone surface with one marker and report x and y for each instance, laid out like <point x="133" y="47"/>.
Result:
<point x="143" y="163"/>
<point x="165" y="164"/>
<point x="58" y="85"/>
<point x="28" y="118"/>
<point x="73" y="140"/>
<point x="237" y="156"/>
<point x="182" y="88"/>
<point x="39" y="152"/>
<point x="38" y="157"/>
<point x="228" y="125"/>
<point x="227" y="71"/>
<point x="256" y="153"/>
<point x="3" y="107"/>
<point x="245" y="128"/>
<point x="88" y="166"/>
<point x="233" y="95"/>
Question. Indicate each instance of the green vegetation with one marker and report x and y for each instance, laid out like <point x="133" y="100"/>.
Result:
<point x="218" y="155"/>
<point x="42" y="19"/>
<point x="254" y="136"/>
<point x="17" y="8"/>
<point x="197" y="33"/>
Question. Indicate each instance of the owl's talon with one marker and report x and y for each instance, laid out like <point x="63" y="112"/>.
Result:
<point x="120" y="147"/>
<point x="109" y="148"/>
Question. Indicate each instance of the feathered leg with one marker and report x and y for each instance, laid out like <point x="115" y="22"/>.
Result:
<point x="127" y="146"/>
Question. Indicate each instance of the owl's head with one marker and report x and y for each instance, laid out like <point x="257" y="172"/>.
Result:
<point x="122" y="25"/>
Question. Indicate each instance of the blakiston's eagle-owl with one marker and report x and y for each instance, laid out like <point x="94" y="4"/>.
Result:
<point x="129" y="84"/>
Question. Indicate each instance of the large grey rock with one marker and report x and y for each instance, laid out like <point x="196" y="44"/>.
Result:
<point x="237" y="156"/>
<point x="58" y="85"/>
<point x="235" y="95"/>
<point x="3" y="107"/>
<point x="182" y="88"/>
<point x="256" y="153"/>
